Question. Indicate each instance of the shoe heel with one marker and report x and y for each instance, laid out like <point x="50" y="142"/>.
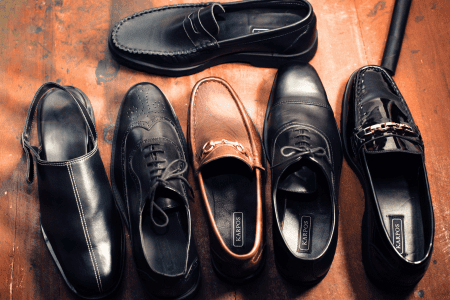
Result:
<point x="235" y="280"/>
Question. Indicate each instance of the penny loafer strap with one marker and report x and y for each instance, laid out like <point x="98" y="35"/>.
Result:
<point x="201" y="26"/>
<point x="32" y="150"/>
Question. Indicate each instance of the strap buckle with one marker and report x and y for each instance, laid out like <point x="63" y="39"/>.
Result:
<point x="30" y="161"/>
<point x="388" y="126"/>
<point x="209" y="146"/>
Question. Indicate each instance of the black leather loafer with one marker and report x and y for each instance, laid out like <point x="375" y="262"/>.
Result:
<point x="184" y="39"/>
<point x="149" y="175"/>
<point x="384" y="147"/>
<point x="79" y="220"/>
<point x="303" y="146"/>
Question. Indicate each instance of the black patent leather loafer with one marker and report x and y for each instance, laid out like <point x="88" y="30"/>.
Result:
<point x="303" y="146"/>
<point x="79" y="220"/>
<point x="384" y="147"/>
<point x="184" y="39"/>
<point x="149" y="175"/>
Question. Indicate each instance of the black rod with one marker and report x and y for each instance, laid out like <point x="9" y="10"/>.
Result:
<point x="395" y="36"/>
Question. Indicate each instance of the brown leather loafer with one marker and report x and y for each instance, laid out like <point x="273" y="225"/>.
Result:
<point x="227" y="158"/>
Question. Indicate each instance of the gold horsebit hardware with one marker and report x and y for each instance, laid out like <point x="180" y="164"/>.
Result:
<point x="209" y="146"/>
<point x="386" y="127"/>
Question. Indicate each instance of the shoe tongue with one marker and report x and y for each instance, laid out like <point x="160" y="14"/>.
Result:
<point x="169" y="194"/>
<point x="303" y="181"/>
<point x="167" y="198"/>
<point x="205" y="18"/>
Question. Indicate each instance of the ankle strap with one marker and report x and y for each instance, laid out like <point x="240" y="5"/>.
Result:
<point x="32" y="150"/>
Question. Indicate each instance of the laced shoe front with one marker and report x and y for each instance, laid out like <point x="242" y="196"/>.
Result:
<point x="303" y="147"/>
<point x="149" y="177"/>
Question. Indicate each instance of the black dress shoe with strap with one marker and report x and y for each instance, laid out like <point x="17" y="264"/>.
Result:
<point x="79" y="220"/>
<point x="384" y="147"/>
<point x="303" y="146"/>
<point x="149" y="175"/>
<point x="183" y="39"/>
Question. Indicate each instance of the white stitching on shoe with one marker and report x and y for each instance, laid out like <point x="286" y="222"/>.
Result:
<point x="85" y="229"/>
<point x="184" y="27"/>
<point x="69" y="162"/>
<point x="192" y="24"/>
<point x="114" y="34"/>
<point x="214" y="18"/>
<point x="198" y="17"/>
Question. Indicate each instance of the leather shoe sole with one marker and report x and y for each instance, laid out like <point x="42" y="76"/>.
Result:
<point x="257" y="59"/>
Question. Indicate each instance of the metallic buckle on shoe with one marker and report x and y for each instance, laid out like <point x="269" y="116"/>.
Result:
<point x="209" y="146"/>
<point x="388" y="126"/>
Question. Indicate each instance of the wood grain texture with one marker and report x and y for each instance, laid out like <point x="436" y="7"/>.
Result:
<point x="66" y="41"/>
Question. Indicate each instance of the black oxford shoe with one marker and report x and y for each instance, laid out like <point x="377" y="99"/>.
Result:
<point x="303" y="146"/>
<point x="149" y="175"/>
<point x="384" y="147"/>
<point x="79" y="220"/>
<point x="184" y="39"/>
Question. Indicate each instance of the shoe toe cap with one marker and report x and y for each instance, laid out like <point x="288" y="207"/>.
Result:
<point x="300" y="81"/>
<point x="92" y="269"/>
<point x="97" y="278"/>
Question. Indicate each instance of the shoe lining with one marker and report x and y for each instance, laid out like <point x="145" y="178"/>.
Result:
<point x="231" y="189"/>
<point x="238" y="23"/>
<point x="305" y="240"/>
<point x="62" y="130"/>
<point x="165" y="248"/>
<point x="399" y="192"/>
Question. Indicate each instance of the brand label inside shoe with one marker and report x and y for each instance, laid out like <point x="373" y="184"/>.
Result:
<point x="398" y="233"/>
<point x="258" y="30"/>
<point x="238" y="229"/>
<point x="304" y="235"/>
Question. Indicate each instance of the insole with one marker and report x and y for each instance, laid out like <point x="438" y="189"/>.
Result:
<point x="305" y="217"/>
<point x="230" y="186"/>
<point x="62" y="130"/>
<point x="234" y="24"/>
<point x="165" y="248"/>
<point x="396" y="186"/>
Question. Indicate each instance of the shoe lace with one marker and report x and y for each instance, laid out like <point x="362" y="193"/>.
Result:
<point x="160" y="176"/>
<point x="299" y="151"/>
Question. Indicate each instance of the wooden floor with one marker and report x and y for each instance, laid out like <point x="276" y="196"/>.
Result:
<point x="66" y="41"/>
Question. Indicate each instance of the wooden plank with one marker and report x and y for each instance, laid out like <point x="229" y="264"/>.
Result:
<point x="19" y="47"/>
<point x="66" y="42"/>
